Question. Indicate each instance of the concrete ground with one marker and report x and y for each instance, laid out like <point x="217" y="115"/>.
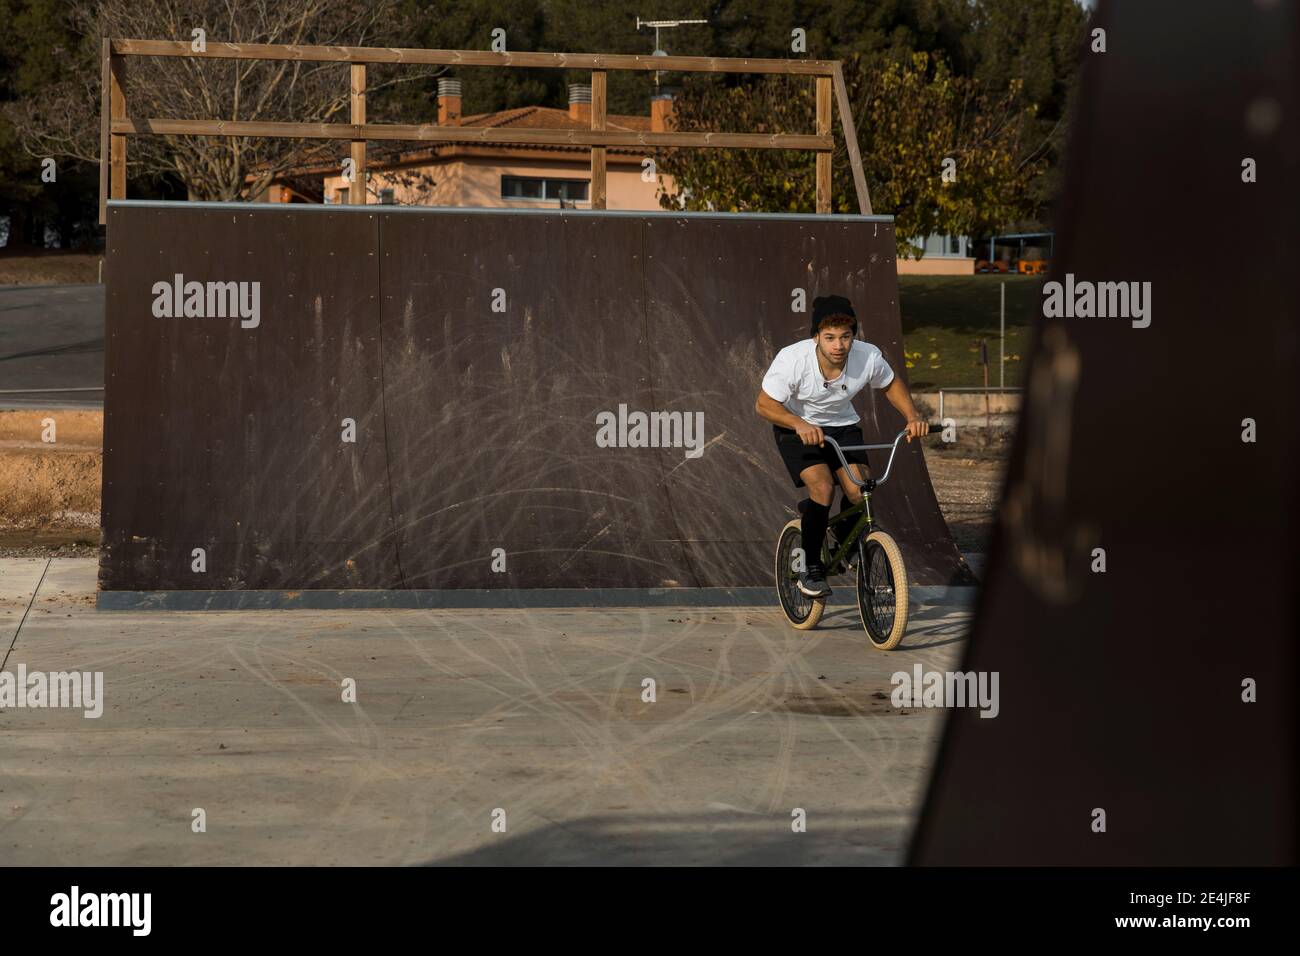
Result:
<point x="459" y="714"/>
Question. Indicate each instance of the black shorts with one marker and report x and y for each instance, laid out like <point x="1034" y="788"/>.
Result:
<point x="798" y="456"/>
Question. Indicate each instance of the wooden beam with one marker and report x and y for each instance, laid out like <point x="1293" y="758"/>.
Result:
<point x="417" y="156"/>
<point x="472" y="134"/>
<point x="824" y="156"/>
<point x="105" y="106"/>
<point x="357" y="190"/>
<point x="598" y="97"/>
<point x="559" y="61"/>
<point x="117" y="142"/>
<point x="851" y="141"/>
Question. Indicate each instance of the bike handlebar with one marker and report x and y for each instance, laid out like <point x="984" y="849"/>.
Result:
<point x="870" y="483"/>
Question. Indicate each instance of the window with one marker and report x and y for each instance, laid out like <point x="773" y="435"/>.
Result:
<point x="543" y="190"/>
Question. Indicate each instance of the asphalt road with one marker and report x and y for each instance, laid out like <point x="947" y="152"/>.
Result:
<point x="52" y="337"/>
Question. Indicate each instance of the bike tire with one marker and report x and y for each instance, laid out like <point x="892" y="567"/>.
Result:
<point x="881" y="582"/>
<point x="801" y="611"/>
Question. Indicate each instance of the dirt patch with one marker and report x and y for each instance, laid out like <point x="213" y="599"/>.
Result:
<point x="968" y="489"/>
<point x="625" y="704"/>
<point x="50" y="267"/>
<point x="49" y="542"/>
<point x="50" y="490"/>
<point x="836" y="705"/>
<point x="75" y="430"/>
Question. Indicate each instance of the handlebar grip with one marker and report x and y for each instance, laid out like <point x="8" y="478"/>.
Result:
<point x="936" y="427"/>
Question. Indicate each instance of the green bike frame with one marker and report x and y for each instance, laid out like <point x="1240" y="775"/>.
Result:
<point x="865" y="524"/>
<point x="861" y="527"/>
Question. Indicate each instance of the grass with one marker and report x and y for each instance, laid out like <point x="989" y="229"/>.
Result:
<point x="944" y="317"/>
<point x="47" y="266"/>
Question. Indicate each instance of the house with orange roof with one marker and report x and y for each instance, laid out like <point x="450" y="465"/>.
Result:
<point x="497" y="174"/>
<point x="522" y="176"/>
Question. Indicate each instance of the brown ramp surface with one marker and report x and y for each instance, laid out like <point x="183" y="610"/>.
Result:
<point x="226" y="438"/>
<point x="486" y="356"/>
<point x="1122" y="691"/>
<point x="722" y="308"/>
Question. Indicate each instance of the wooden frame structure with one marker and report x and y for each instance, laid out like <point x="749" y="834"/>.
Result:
<point x="116" y="124"/>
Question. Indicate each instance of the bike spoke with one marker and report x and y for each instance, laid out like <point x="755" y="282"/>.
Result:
<point x="879" y="597"/>
<point x="797" y="604"/>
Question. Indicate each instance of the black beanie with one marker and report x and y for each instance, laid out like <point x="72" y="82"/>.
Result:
<point x="828" y="305"/>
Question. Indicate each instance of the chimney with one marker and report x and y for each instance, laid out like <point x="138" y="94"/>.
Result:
<point x="448" y="101"/>
<point x="661" y="112"/>
<point x="580" y="102"/>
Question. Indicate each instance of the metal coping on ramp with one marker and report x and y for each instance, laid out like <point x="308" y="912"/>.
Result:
<point x="474" y="599"/>
<point x="385" y="209"/>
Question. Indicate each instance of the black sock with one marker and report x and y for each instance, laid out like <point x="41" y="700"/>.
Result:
<point x="839" y="524"/>
<point x="813" y="527"/>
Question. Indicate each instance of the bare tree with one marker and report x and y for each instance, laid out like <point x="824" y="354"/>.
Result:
<point x="64" y="121"/>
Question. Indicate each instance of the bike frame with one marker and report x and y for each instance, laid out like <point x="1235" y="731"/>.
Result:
<point x="865" y="522"/>
<point x="835" y="563"/>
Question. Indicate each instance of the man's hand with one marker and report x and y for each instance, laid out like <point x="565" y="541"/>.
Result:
<point x="810" y="434"/>
<point x="901" y="399"/>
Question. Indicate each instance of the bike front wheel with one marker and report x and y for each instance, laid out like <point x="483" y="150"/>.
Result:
<point x="882" y="590"/>
<point x="800" y="610"/>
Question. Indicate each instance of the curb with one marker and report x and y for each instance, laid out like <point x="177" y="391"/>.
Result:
<point x="484" y="599"/>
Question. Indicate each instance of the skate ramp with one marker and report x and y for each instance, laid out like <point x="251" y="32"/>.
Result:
<point x="1122" y="689"/>
<point x="477" y="354"/>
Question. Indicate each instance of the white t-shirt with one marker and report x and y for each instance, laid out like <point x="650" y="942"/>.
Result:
<point x="796" y="381"/>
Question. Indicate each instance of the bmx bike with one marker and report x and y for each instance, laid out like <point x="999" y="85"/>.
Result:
<point x="854" y="540"/>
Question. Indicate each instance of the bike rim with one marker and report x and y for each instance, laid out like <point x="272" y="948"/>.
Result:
<point x="878" y="596"/>
<point x="797" y="605"/>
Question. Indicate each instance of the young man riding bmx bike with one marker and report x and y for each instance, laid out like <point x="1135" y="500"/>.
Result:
<point x="807" y="395"/>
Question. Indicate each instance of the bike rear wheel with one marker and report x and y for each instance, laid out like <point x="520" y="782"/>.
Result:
<point x="800" y="610"/>
<point x="882" y="591"/>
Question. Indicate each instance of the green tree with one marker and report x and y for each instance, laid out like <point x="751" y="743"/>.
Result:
<point x="837" y="29"/>
<point x="469" y="25"/>
<point x="1024" y="54"/>
<point x="910" y="118"/>
<point x="1040" y="44"/>
<point x="34" y="48"/>
<point x="578" y="26"/>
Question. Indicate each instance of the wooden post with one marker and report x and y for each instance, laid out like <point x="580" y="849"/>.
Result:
<point x="984" y="360"/>
<point x="851" y="141"/>
<point x="598" y="97"/>
<point x="116" y="111"/>
<point x="1002" y="339"/>
<point x="104" y="107"/>
<point x="357" y="189"/>
<point x="116" y="125"/>
<point x="823" y="156"/>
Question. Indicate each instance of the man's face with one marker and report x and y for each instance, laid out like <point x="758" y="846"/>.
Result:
<point x="835" y="342"/>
